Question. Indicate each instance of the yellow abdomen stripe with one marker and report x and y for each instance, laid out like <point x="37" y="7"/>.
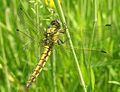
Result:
<point x="40" y="65"/>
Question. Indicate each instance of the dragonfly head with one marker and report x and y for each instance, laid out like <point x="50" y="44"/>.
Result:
<point x="55" y="23"/>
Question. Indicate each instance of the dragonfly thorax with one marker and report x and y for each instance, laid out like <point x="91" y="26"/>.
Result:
<point x="52" y="34"/>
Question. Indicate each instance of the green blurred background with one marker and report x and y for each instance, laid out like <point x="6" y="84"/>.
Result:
<point x="86" y="20"/>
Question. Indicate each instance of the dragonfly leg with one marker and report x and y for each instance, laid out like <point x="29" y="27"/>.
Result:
<point x="62" y="31"/>
<point x="65" y="27"/>
<point x="61" y="42"/>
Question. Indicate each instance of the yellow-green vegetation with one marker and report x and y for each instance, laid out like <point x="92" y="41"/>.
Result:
<point x="89" y="59"/>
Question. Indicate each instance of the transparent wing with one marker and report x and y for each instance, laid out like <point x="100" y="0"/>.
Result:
<point x="32" y="26"/>
<point x="94" y="48"/>
<point x="33" y="22"/>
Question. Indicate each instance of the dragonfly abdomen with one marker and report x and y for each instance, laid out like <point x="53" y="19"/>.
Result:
<point x="51" y="38"/>
<point x="44" y="56"/>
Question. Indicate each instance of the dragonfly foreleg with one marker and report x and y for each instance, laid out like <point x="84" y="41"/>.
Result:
<point x="64" y="27"/>
<point x="62" y="31"/>
<point x="61" y="41"/>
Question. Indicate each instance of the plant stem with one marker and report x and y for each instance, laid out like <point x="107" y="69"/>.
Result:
<point x="54" y="71"/>
<point x="61" y="14"/>
<point x="5" y="68"/>
<point x="92" y="84"/>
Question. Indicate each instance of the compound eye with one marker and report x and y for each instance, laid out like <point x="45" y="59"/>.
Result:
<point x="55" y="23"/>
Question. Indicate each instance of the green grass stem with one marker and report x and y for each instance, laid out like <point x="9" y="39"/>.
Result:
<point x="61" y="14"/>
<point x="54" y="70"/>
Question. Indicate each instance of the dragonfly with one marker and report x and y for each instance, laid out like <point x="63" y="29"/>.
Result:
<point x="51" y="38"/>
